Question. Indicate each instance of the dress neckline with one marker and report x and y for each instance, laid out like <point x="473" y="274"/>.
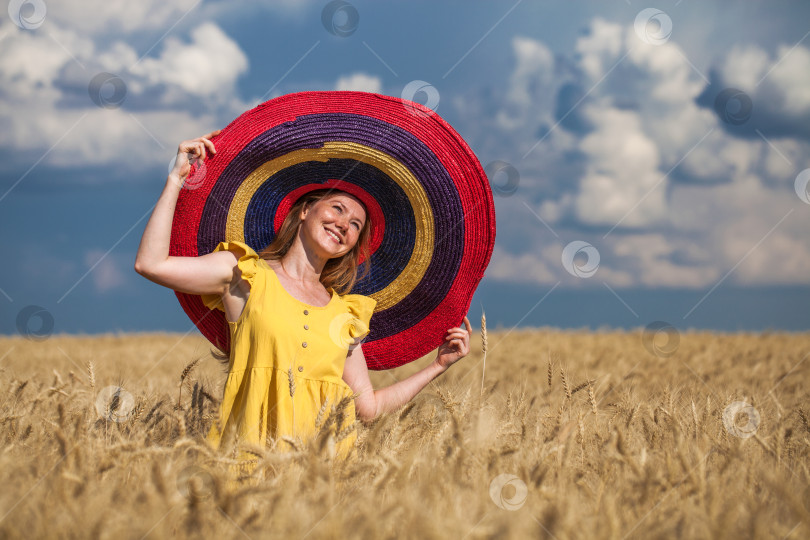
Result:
<point x="281" y="285"/>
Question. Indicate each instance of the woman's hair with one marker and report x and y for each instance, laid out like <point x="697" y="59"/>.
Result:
<point x="339" y="273"/>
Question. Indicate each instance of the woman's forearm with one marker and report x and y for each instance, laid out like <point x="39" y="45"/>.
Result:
<point x="393" y="397"/>
<point x="154" y="247"/>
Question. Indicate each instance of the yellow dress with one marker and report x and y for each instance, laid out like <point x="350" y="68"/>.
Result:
<point x="278" y="337"/>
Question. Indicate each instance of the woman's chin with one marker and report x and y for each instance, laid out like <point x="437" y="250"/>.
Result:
<point x="331" y="251"/>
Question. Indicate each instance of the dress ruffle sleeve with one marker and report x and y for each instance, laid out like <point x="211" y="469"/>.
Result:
<point x="247" y="263"/>
<point x="360" y="310"/>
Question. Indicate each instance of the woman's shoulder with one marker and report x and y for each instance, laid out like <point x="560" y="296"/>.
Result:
<point x="358" y="304"/>
<point x="360" y="308"/>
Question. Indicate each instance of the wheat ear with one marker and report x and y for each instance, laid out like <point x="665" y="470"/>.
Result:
<point x="191" y="365"/>
<point x="291" y="381"/>
<point x="565" y="383"/>
<point x="483" y="347"/>
<point x="322" y="410"/>
<point x="91" y="374"/>
<point x="183" y="375"/>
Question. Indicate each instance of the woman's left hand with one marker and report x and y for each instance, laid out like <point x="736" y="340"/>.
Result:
<point x="456" y="345"/>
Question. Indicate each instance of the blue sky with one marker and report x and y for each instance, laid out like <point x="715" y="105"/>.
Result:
<point x="670" y="139"/>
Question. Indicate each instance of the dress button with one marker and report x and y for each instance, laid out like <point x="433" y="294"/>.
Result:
<point x="306" y="327"/>
<point x="304" y="344"/>
<point x="306" y="312"/>
<point x="300" y="368"/>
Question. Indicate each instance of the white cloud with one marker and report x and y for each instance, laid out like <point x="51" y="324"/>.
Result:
<point x="360" y="82"/>
<point x="109" y="16"/>
<point x="601" y="48"/>
<point x="209" y="64"/>
<point x="781" y="158"/>
<point x="44" y="80"/>
<point x="532" y="86"/>
<point x="652" y="253"/>
<point x="106" y="272"/>
<point x="744" y="66"/>
<point x="778" y="85"/>
<point x="534" y="70"/>
<point x="646" y="131"/>
<point x="34" y="59"/>
<point x="791" y="75"/>
<point x="521" y="268"/>
<point x="622" y="175"/>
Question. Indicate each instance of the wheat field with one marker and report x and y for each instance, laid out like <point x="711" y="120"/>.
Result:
<point x="558" y="434"/>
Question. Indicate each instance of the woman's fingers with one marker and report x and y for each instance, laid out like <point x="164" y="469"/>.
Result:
<point x="459" y="338"/>
<point x="466" y="324"/>
<point x="209" y="145"/>
<point x="206" y="140"/>
<point x="197" y="147"/>
<point x="199" y="150"/>
<point x="190" y="148"/>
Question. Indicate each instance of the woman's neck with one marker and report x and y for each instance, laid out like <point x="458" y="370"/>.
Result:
<point x="301" y="265"/>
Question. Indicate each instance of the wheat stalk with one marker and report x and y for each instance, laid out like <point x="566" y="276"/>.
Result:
<point x="805" y="421"/>
<point x="322" y="410"/>
<point x="20" y="388"/>
<point x="261" y="424"/>
<point x="191" y="365"/>
<point x="291" y="381"/>
<point x="136" y="412"/>
<point x="579" y="387"/>
<point x="91" y="374"/>
<point x="346" y="432"/>
<point x="565" y="383"/>
<point x="294" y="442"/>
<point x="483" y="347"/>
<point x="209" y="397"/>
<point x="591" y="398"/>
<point x="183" y="376"/>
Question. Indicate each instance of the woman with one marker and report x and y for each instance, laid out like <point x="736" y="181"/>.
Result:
<point x="280" y="380"/>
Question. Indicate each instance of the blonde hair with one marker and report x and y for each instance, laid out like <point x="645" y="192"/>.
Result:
<point x="340" y="273"/>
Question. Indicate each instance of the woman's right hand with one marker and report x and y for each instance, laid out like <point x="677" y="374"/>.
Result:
<point x="191" y="150"/>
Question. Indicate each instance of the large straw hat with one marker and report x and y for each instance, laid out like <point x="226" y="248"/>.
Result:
<point x="427" y="194"/>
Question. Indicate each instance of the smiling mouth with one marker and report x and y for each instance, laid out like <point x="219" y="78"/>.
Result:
<point x="335" y="237"/>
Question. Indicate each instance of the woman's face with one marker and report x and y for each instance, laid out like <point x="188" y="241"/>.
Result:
<point x="333" y="224"/>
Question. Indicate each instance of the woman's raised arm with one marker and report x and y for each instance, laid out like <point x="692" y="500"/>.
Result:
<point x="208" y="274"/>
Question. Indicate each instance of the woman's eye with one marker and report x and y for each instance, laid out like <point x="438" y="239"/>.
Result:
<point x="356" y="226"/>
<point x="338" y="208"/>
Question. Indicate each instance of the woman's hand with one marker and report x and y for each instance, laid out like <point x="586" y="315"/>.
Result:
<point x="456" y="345"/>
<point x="191" y="150"/>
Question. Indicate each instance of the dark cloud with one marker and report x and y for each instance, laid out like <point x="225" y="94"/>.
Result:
<point x="742" y="113"/>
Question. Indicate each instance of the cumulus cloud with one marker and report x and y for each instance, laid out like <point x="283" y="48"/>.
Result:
<point x="210" y="63"/>
<point x="106" y="16"/>
<point x="184" y="87"/>
<point x="525" y="267"/>
<point x="616" y="145"/>
<point x="774" y="86"/>
<point x="360" y="82"/>
<point x="619" y="184"/>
